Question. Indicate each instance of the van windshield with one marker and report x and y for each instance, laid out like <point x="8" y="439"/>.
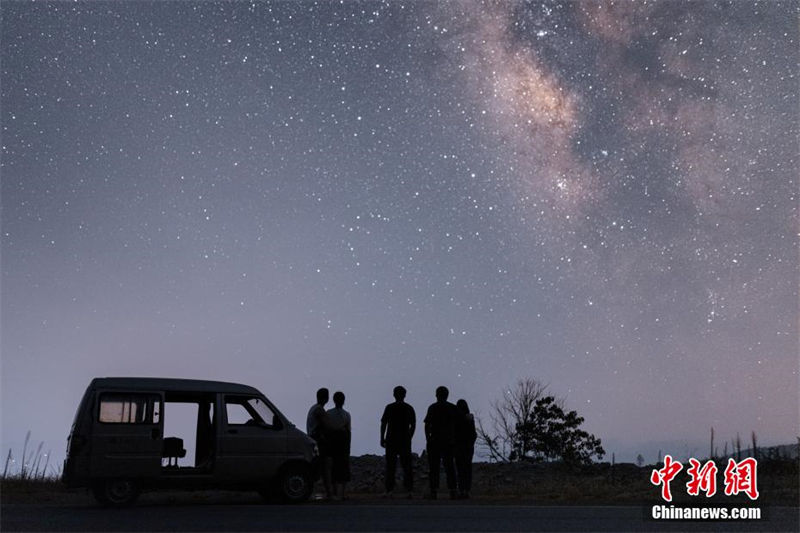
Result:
<point x="249" y="410"/>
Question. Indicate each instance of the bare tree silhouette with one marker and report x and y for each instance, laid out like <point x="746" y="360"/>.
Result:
<point x="529" y="426"/>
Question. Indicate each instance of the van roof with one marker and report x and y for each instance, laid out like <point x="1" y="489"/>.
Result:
<point x="171" y="384"/>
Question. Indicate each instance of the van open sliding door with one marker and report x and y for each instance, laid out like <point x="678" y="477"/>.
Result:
<point x="128" y="434"/>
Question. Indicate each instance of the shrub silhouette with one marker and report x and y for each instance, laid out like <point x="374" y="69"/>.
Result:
<point x="532" y="427"/>
<point x="551" y="434"/>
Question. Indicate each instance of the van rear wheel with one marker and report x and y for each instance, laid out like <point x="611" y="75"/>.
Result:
<point x="116" y="492"/>
<point x="295" y="483"/>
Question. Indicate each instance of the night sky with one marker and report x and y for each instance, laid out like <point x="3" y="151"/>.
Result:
<point x="358" y="195"/>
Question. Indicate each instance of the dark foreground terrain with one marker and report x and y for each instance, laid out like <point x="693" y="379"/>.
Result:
<point x="506" y="497"/>
<point x="372" y="516"/>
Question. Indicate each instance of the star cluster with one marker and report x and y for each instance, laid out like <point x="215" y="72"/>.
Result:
<point x="600" y="195"/>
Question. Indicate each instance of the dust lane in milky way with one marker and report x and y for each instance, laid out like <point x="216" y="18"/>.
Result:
<point x="359" y="195"/>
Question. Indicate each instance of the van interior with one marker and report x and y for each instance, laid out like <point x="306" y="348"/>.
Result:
<point x="189" y="432"/>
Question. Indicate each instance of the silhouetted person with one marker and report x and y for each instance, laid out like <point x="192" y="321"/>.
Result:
<point x="316" y="423"/>
<point x="339" y="432"/>
<point x="465" y="447"/>
<point x="397" y="428"/>
<point x="440" y="431"/>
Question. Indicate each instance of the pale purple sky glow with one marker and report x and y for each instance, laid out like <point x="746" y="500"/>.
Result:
<point x="361" y="195"/>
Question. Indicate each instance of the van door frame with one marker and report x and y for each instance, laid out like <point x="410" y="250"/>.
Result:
<point x="249" y="453"/>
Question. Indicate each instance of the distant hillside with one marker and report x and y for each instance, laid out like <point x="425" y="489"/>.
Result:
<point x="784" y="451"/>
<point x="682" y="450"/>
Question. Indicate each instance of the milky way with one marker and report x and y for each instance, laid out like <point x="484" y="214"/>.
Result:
<point x="599" y="195"/>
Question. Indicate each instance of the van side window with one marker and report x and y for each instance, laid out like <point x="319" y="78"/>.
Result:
<point x="129" y="408"/>
<point x="243" y="410"/>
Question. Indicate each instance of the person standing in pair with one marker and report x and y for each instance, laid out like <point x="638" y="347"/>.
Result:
<point x="397" y="428"/>
<point x="339" y="435"/>
<point x="316" y="427"/>
<point x="440" y="431"/>
<point x="465" y="447"/>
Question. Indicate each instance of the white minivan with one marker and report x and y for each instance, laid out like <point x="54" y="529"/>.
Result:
<point x="236" y="437"/>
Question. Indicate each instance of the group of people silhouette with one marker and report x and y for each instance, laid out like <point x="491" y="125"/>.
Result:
<point x="450" y="436"/>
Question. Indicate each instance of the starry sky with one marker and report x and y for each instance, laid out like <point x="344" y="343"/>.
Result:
<point x="602" y="196"/>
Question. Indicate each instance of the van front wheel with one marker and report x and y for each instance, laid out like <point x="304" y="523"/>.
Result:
<point x="295" y="483"/>
<point x="116" y="492"/>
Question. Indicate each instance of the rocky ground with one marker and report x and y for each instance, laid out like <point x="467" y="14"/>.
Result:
<point x="556" y="483"/>
<point x="529" y="484"/>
